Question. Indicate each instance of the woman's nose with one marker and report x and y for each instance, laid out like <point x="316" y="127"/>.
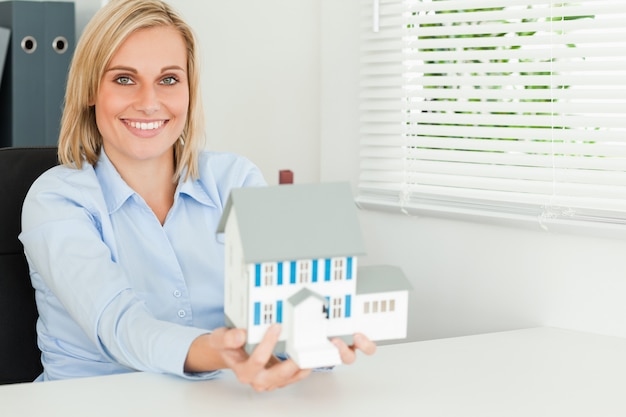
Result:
<point x="147" y="100"/>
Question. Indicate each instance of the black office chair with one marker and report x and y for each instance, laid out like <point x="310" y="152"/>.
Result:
<point x="19" y="355"/>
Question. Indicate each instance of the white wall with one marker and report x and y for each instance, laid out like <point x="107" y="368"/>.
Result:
<point x="281" y="87"/>
<point x="469" y="277"/>
<point x="261" y="80"/>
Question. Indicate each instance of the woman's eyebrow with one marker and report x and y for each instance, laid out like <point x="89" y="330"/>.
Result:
<point x="122" y="68"/>
<point x="134" y="71"/>
<point x="172" y="67"/>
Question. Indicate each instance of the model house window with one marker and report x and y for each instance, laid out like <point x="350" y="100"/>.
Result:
<point x="338" y="269"/>
<point x="337" y="307"/>
<point x="505" y="108"/>
<point x="305" y="271"/>
<point x="269" y="274"/>
<point x="268" y="313"/>
<point x="264" y="313"/>
<point x="379" y="306"/>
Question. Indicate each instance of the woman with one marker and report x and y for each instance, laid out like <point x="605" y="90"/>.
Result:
<point x="120" y="237"/>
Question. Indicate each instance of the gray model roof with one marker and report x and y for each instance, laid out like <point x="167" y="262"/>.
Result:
<point x="297" y="221"/>
<point x="304" y="294"/>
<point x="381" y="278"/>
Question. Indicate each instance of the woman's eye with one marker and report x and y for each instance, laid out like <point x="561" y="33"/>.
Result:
<point x="169" y="80"/>
<point x="124" y="80"/>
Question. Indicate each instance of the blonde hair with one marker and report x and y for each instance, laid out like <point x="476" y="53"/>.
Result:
<point x="79" y="138"/>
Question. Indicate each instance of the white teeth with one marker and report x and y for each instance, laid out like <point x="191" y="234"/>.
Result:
<point x="146" y="126"/>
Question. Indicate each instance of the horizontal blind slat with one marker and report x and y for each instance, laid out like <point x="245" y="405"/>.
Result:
<point x="512" y="106"/>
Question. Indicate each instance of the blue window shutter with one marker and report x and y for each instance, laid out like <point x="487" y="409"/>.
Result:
<point x="314" y="270"/>
<point x="257" y="313"/>
<point x="327" y="306"/>
<point x="327" y="270"/>
<point x="348" y="305"/>
<point x="349" y="267"/>
<point x="280" y="273"/>
<point x="292" y="272"/>
<point x="257" y="275"/>
<point x="279" y="311"/>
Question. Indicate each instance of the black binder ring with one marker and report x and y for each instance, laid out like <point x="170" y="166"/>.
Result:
<point x="29" y="44"/>
<point x="60" y="44"/>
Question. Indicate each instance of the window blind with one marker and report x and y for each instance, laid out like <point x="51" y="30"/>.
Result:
<point x="494" y="108"/>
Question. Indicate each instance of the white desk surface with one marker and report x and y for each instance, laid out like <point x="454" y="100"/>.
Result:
<point x="531" y="373"/>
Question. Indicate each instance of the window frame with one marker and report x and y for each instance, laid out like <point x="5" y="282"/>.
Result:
<point x="552" y="218"/>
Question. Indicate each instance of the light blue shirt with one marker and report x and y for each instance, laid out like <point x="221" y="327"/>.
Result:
<point x="116" y="290"/>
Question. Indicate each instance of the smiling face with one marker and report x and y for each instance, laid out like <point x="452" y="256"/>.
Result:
<point x="142" y="103"/>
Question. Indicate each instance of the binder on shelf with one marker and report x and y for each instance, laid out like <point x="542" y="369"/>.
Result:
<point x="59" y="40"/>
<point x="34" y="79"/>
<point x="21" y="93"/>
<point x="4" y="46"/>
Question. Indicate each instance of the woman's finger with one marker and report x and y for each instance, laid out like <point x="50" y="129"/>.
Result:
<point x="364" y="344"/>
<point x="278" y="376"/>
<point x="248" y="371"/>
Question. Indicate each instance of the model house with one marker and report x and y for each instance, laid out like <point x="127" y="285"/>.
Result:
<point x="292" y="258"/>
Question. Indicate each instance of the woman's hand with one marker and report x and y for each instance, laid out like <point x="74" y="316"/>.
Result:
<point x="360" y="342"/>
<point x="224" y="348"/>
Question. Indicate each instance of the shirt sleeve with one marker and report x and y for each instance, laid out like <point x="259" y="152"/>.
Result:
<point x="70" y="250"/>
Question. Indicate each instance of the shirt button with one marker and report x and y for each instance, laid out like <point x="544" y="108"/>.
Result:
<point x="177" y="293"/>
<point x="181" y="313"/>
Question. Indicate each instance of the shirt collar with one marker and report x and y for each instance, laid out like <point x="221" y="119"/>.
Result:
<point x="114" y="188"/>
<point x="117" y="192"/>
<point x="195" y="190"/>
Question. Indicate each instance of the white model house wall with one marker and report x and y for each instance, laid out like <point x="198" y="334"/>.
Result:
<point x="236" y="276"/>
<point x="382" y="315"/>
<point x="272" y="283"/>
